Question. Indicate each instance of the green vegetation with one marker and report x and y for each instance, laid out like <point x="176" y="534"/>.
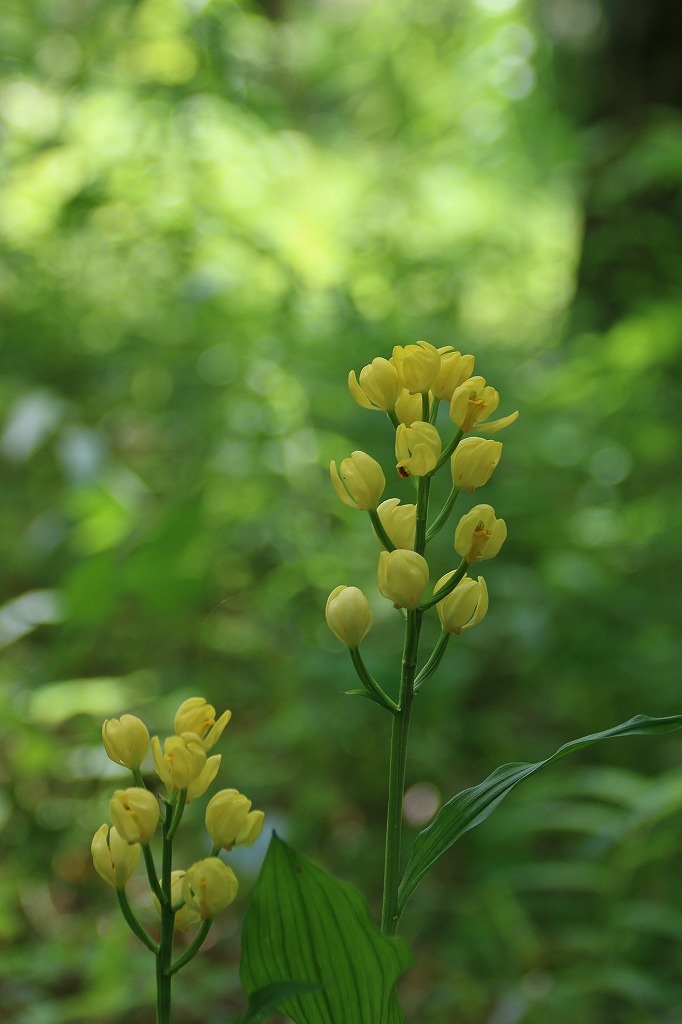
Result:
<point x="209" y="214"/>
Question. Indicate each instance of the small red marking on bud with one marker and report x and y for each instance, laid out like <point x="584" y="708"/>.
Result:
<point x="403" y="472"/>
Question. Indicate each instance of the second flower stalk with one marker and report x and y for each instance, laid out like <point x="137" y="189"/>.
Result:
<point x="417" y="372"/>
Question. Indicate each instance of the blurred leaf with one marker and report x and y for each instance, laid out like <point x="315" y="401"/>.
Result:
<point x="304" y="924"/>
<point x="472" y="806"/>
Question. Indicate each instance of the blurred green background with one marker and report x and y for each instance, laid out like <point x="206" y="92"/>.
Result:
<point x="209" y="213"/>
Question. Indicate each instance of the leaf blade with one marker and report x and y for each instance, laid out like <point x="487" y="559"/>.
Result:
<point x="306" y="925"/>
<point x="472" y="806"/>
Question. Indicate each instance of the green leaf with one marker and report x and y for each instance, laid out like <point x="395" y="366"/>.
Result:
<point x="472" y="806"/>
<point x="266" y="1000"/>
<point x="304" y="924"/>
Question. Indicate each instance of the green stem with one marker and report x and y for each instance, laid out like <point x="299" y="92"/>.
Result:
<point x="165" y="951"/>
<point x="433" y="662"/>
<point x="193" y="948"/>
<point x="370" y="683"/>
<point x="393" y="418"/>
<point x="134" y="924"/>
<point x="151" y="873"/>
<point x="443" y="516"/>
<point x="396" y="776"/>
<point x="177" y="814"/>
<point x="399" y="733"/>
<point x="380" y="531"/>
<point x="434" y="410"/>
<point x="457" y="575"/>
<point x="422" y="510"/>
<point x="449" y="449"/>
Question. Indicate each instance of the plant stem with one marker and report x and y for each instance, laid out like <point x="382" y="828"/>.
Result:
<point x="134" y="924"/>
<point x="457" y="575"/>
<point x="449" y="449"/>
<point x="400" y="730"/>
<point x="396" y="776"/>
<point x="433" y="662"/>
<point x="370" y="683"/>
<point x="165" y="951"/>
<point x="380" y="531"/>
<point x="443" y="516"/>
<point x="151" y="873"/>
<point x="193" y="948"/>
<point x="177" y="814"/>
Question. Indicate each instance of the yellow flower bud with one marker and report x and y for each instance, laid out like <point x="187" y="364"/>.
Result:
<point x="399" y="522"/>
<point x="115" y="860"/>
<point x="186" y="917"/>
<point x="473" y="402"/>
<point x="417" y="448"/>
<point x="126" y="740"/>
<point x="465" y="606"/>
<point x="417" y="366"/>
<point x="230" y="820"/>
<point x="348" y="615"/>
<point x="408" y="408"/>
<point x="379" y="386"/>
<point x="209" y="886"/>
<point x="205" y="777"/>
<point x="361" y="482"/>
<point x="473" y="462"/>
<point x="403" y="576"/>
<point x="479" y="534"/>
<point x="181" y="761"/>
<point x="198" y="716"/>
<point x="135" y="813"/>
<point x="454" y="370"/>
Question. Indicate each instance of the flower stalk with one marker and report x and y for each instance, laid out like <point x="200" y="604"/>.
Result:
<point x="426" y="377"/>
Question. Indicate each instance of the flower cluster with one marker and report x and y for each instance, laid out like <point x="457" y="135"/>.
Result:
<point x="186" y="770"/>
<point x="410" y="387"/>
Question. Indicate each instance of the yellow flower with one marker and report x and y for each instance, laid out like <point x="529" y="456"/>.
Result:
<point x="126" y="740"/>
<point x="417" y="366"/>
<point x="379" y="386"/>
<point x="473" y="402"/>
<point x="479" y="534"/>
<point x="408" y="408"/>
<point x="205" y="777"/>
<point x="403" y="576"/>
<point x="186" y="917"/>
<point x="230" y="820"/>
<point x="181" y="761"/>
<point x="115" y="860"/>
<point x="465" y="606"/>
<point x="348" y="615"/>
<point x="454" y="370"/>
<point x="399" y="522"/>
<point x="198" y="716"/>
<point x="473" y="462"/>
<point x="209" y="886"/>
<point x="361" y="482"/>
<point x="135" y="813"/>
<point x="417" y="448"/>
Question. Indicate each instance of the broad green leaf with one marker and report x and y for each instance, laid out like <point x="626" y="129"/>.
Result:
<point x="472" y="806"/>
<point x="305" y="925"/>
<point x="266" y="1000"/>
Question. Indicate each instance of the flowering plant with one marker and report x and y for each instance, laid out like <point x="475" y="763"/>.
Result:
<point x="309" y="946"/>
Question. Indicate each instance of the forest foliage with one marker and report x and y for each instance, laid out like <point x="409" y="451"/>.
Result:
<point x="209" y="213"/>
